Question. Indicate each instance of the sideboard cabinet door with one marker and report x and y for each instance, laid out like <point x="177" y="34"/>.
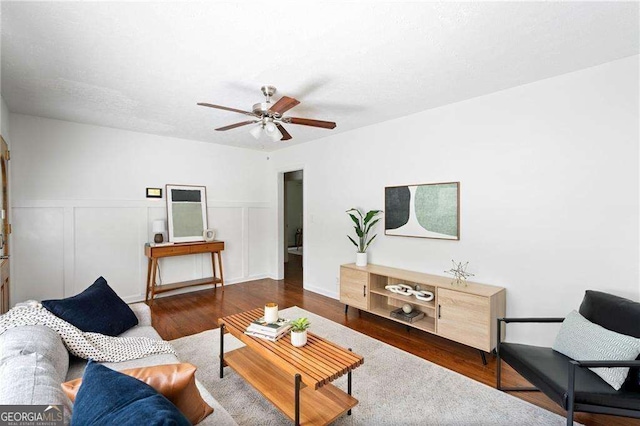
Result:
<point x="354" y="288"/>
<point x="464" y="318"/>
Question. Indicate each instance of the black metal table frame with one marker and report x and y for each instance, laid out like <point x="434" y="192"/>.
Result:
<point x="297" y="381"/>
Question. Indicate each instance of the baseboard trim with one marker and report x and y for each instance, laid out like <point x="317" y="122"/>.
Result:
<point x="322" y="291"/>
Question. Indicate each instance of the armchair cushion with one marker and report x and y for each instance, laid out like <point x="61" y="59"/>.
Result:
<point x="580" y="339"/>
<point x="616" y="314"/>
<point x="547" y="370"/>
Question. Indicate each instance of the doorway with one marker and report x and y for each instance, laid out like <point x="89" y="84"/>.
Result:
<point x="293" y="227"/>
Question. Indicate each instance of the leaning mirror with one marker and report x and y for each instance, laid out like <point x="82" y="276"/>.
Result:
<point x="186" y="212"/>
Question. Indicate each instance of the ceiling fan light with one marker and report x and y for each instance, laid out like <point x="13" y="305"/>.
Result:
<point x="256" y="131"/>
<point x="275" y="135"/>
<point x="270" y="128"/>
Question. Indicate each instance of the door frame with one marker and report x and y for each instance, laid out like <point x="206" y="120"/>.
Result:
<point x="5" y="227"/>
<point x="280" y="225"/>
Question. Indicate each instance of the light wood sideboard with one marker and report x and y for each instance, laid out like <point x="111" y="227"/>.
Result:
<point x="464" y="314"/>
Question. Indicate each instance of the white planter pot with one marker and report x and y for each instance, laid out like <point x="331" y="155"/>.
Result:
<point x="361" y="259"/>
<point x="299" y="338"/>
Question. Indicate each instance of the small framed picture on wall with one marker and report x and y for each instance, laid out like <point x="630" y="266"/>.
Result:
<point x="186" y="212"/>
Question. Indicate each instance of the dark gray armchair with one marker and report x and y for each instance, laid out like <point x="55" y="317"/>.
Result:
<point x="569" y="382"/>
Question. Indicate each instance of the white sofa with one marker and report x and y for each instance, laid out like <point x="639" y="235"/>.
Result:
<point x="34" y="362"/>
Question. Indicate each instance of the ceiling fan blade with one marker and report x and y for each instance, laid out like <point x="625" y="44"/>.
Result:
<point x="233" y="126"/>
<point x="284" y="104"/>
<point x="310" y="122"/>
<point x="285" y="135"/>
<point x="227" y="109"/>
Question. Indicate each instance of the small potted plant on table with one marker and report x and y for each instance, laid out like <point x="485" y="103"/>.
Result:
<point x="299" y="332"/>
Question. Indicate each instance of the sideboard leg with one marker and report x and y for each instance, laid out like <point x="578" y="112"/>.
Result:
<point x="346" y="309"/>
<point x="221" y="351"/>
<point x="297" y="408"/>
<point x="484" y="358"/>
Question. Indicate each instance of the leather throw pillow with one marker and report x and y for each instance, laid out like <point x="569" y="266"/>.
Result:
<point x="176" y="382"/>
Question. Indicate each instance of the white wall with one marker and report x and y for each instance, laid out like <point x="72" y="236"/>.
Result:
<point x="549" y="190"/>
<point x="79" y="206"/>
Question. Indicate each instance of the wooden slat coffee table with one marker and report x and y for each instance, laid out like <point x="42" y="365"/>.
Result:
<point x="295" y="380"/>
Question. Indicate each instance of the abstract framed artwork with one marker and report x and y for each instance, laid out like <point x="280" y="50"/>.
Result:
<point x="430" y="210"/>
<point x="187" y="212"/>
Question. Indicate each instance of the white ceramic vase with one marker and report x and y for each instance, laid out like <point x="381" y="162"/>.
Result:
<point x="299" y="338"/>
<point x="361" y="259"/>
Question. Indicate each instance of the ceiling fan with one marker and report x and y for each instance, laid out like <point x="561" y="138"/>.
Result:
<point x="269" y="117"/>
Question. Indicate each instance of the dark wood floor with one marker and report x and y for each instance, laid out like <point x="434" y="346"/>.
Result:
<point x="191" y="313"/>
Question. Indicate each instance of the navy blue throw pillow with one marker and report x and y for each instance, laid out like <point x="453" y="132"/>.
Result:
<point x="107" y="397"/>
<point x="98" y="309"/>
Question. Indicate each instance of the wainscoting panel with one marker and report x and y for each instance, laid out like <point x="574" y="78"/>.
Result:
<point x="62" y="246"/>
<point x="37" y="254"/>
<point x="229" y="226"/>
<point x="258" y="241"/>
<point x="108" y="242"/>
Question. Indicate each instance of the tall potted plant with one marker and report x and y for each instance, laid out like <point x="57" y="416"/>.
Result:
<point x="363" y="224"/>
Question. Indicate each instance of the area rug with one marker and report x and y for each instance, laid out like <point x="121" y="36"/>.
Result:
<point x="393" y="386"/>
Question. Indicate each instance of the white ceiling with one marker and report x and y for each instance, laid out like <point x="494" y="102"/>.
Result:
<point x="144" y="66"/>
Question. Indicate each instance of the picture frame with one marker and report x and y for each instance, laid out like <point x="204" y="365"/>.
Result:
<point x="186" y="212"/>
<point x="428" y="210"/>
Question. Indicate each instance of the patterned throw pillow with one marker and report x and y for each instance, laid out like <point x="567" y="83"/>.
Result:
<point x="581" y="339"/>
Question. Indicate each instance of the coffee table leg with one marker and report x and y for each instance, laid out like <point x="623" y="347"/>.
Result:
<point x="349" y="384"/>
<point x="221" y="351"/>
<point x="297" y="400"/>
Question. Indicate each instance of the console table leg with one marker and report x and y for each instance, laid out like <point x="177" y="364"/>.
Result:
<point x="221" y="351"/>
<point x="213" y="266"/>
<point x="346" y="309"/>
<point x="297" y="408"/>
<point x="146" y="294"/>
<point x="154" y="268"/>
<point x="349" y="385"/>
<point x="220" y="268"/>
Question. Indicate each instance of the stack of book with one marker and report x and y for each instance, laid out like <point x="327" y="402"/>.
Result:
<point x="268" y="331"/>
<point x="412" y="316"/>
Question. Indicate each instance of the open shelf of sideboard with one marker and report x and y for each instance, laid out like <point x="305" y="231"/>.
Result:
<point x="428" y="323"/>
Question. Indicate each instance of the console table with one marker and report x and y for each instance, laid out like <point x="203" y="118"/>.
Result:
<point x="154" y="253"/>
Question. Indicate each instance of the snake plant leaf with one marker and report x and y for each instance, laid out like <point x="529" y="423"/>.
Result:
<point x="368" y="228"/>
<point x="355" y="220"/>
<point x="370" y="215"/>
<point x="359" y="231"/>
<point x="372" y="238"/>
<point x="353" y="209"/>
<point x="354" y="243"/>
